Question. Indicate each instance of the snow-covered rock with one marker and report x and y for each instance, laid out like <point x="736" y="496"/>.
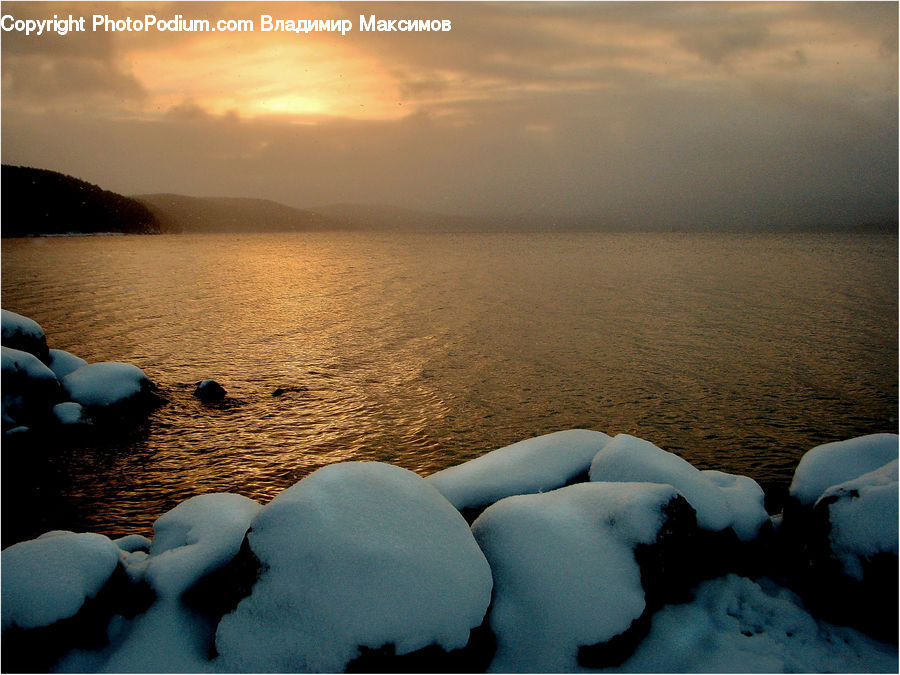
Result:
<point x="721" y="500"/>
<point x="534" y="465"/>
<point x="62" y="363"/>
<point x="195" y="538"/>
<point x="70" y="413"/>
<point x="735" y="625"/>
<point x="20" y="332"/>
<point x="107" y="384"/>
<point x="864" y="517"/>
<point x="49" y="578"/>
<point x="30" y="388"/>
<point x="192" y="541"/>
<point x="565" y="572"/>
<point x="833" y="463"/>
<point x="359" y="554"/>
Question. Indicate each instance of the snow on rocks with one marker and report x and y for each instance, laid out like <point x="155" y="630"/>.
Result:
<point x="62" y="363"/>
<point x="833" y="463"/>
<point x="355" y="555"/>
<point x="49" y="578"/>
<point x="70" y="413"/>
<point x="863" y="513"/>
<point x="534" y="465"/>
<point x="30" y="388"/>
<point x="59" y="591"/>
<point x="839" y="532"/>
<point x="108" y="384"/>
<point x="737" y="625"/>
<point x="565" y="572"/>
<point x="20" y="332"/>
<point x="721" y="500"/>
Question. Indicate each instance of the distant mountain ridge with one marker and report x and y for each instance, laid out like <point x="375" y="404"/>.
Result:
<point x="39" y="201"/>
<point x="180" y="213"/>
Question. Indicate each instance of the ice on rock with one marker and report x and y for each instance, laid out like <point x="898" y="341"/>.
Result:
<point x="721" y="500"/>
<point x="534" y="465"/>
<point x="62" y="363"/>
<point x="564" y="568"/>
<point x="863" y="513"/>
<point x="355" y="554"/>
<point x="20" y="332"/>
<point x="105" y="384"/>
<point x="735" y="625"/>
<point x="49" y="578"/>
<point x="833" y="463"/>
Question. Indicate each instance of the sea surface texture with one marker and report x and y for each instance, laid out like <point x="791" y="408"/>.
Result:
<point x="738" y="352"/>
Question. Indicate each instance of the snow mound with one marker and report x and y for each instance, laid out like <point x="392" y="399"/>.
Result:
<point x="735" y="625"/>
<point x="196" y="537"/>
<point x="62" y="363"/>
<point x="355" y="554"/>
<point x="533" y="465"/>
<point x="721" y="500"/>
<point x="833" y="463"/>
<point x="564" y="569"/>
<point x="105" y="384"/>
<point x="49" y="578"/>
<point x="69" y="412"/>
<point x="17" y="363"/>
<point x="863" y="513"/>
<point x="20" y="332"/>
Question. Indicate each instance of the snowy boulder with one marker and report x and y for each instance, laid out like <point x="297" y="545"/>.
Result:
<point x="839" y="532"/>
<point x="209" y="390"/>
<point x="70" y="414"/>
<point x="534" y="465"/>
<point x="191" y="545"/>
<point x="62" y="363"/>
<point x="833" y="463"/>
<point x="721" y="500"/>
<point x="20" y="332"/>
<point x="568" y="588"/>
<point x="30" y="388"/>
<point x="59" y="592"/>
<point x="358" y="558"/>
<point x="109" y="385"/>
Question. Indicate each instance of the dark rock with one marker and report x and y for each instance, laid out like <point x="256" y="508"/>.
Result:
<point x="209" y="390"/>
<point x="219" y="592"/>
<point x="281" y="391"/>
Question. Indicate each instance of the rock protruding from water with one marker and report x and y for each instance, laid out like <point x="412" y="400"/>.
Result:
<point x="209" y="390"/>
<point x="20" y="332"/>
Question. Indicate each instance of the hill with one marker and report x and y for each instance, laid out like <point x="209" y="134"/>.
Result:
<point x="38" y="201"/>
<point x="180" y="213"/>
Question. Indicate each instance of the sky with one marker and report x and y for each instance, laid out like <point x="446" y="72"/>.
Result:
<point x="627" y="114"/>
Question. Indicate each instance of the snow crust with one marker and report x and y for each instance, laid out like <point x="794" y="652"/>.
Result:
<point x="735" y="625"/>
<point x="833" y="463"/>
<point x="533" y="465"/>
<point x="358" y="553"/>
<point x="864" y="518"/>
<point x="721" y="500"/>
<point x="49" y="578"/>
<point x="62" y="363"/>
<point x="105" y="384"/>
<point x="564" y="569"/>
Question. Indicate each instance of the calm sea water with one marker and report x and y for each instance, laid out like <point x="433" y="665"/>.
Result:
<point x="738" y="352"/>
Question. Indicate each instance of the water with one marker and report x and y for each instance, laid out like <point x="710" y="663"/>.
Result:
<point x="738" y="352"/>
